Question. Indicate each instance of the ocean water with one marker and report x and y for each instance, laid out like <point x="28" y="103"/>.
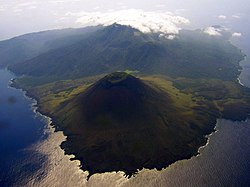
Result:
<point x="223" y="162"/>
<point x="30" y="154"/>
<point x="20" y="127"/>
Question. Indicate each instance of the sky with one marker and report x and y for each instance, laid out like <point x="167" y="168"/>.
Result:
<point x="24" y="16"/>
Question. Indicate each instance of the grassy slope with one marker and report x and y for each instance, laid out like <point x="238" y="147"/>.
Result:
<point x="213" y="95"/>
<point x="51" y="95"/>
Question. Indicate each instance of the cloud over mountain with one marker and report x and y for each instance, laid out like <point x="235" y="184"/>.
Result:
<point x="218" y="30"/>
<point x="213" y="31"/>
<point x="163" y="22"/>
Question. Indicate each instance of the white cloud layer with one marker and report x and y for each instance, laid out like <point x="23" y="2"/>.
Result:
<point x="162" y="22"/>
<point x="222" y="17"/>
<point x="236" y="16"/>
<point x="237" y="34"/>
<point x="213" y="31"/>
<point x="220" y="31"/>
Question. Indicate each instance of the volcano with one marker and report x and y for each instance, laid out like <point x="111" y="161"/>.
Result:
<point x="122" y="123"/>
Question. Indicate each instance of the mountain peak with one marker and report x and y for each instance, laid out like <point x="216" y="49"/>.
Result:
<point x="114" y="115"/>
<point x="118" y="85"/>
<point x="117" y="77"/>
<point x="117" y="25"/>
<point x="118" y="28"/>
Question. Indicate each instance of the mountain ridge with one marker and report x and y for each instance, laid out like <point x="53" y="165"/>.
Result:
<point x="119" y="47"/>
<point x="21" y="48"/>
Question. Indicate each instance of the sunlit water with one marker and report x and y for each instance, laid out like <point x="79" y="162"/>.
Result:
<point x="19" y="128"/>
<point x="31" y="156"/>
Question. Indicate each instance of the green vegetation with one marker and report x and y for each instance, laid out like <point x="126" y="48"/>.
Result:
<point x="52" y="94"/>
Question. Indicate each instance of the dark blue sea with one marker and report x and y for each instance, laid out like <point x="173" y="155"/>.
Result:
<point x="20" y="127"/>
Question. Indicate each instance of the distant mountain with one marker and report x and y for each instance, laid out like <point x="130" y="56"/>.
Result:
<point x="22" y="48"/>
<point x="103" y="51"/>
<point x="191" y="54"/>
<point x="121" y="123"/>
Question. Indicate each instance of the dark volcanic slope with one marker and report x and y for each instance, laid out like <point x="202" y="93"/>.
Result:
<point x="122" y="124"/>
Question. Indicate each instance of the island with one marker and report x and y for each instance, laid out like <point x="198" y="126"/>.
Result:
<point x="127" y="100"/>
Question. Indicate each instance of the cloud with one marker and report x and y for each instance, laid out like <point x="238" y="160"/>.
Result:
<point x="222" y="17"/>
<point x="170" y="37"/>
<point x="145" y="21"/>
<point x="213" y="31"/>
<point x="221" y="31"/>
<point x="236" y="16"/>
<point x="236" y="34"/>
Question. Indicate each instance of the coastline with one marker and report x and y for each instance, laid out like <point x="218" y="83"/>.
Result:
<point x="70" y="173"/>
<point x="241" y="70"/>
<point x="208" y="139"/>
<point x="56" y="137"/>
<point x="239" y="81"/>
<point x="50" y="146"/>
